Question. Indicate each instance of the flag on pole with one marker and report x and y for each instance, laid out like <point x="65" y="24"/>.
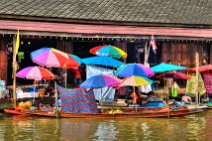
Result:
<point x="153" y="44"/>
<point x="17" y="43"/>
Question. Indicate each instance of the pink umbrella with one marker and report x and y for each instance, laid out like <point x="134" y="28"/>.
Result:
<point x="35" y="73"/>
<point x="174" y="75"/>
<point x="201" y="68"/>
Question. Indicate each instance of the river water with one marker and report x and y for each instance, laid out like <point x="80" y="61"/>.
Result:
<point x="190" y="128"/>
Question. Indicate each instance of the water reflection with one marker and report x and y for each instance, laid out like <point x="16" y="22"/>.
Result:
<point x="106" y="131"/>
<point x="77" y="129"/>
<point x="195" y="127"/>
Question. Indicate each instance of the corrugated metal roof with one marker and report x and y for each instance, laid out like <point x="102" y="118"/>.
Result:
<point x="195" y="12"/>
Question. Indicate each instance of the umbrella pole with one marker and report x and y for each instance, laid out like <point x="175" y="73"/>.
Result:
<point x="101" y="101"/>
<point x="65" y="78"/>
<point x="56" y="99"/>
<point x="197" y="77"/>
<point x="134" y="99"/>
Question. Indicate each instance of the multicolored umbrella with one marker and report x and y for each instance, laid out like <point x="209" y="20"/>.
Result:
<point x="174" y="75"/>
<point x="136" y="81"/>
<point x="99" y="81"/>
<point x="73" y="62"/>
<point x="102" y="61"/>
<point x="35" y="73"/>
<point x="134" y="69"/>
<point x="79" y="60"/>
<point x="108" y="50"/>
<point x="51" y="57"/>
<point x="163" y="67"/>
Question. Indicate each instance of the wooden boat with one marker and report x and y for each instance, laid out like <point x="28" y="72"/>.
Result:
<point x="15" y="112"/>
<point x="140" y="114"/>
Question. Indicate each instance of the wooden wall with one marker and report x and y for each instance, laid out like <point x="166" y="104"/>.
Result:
<point x="3" y="59"/>
<point x="184" y="53"/>
<point x="66" y="46"/>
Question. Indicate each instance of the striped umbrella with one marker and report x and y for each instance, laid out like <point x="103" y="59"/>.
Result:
<point x="35" y="73"/>
<point x="108" y="50"/>
<point x="51" y="57"/>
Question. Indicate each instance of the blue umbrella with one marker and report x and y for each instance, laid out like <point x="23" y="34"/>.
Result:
<point x="99" y="81"/>
<point x="102" y="61"/>
<point x="134" y="69"/>
<point x="163" y="67"/>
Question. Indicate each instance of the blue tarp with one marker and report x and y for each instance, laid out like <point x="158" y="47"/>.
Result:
<point x="154" y="104"/>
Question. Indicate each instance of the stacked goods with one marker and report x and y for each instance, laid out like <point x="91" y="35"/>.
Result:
<point x="115" y="111"/>
<point x="25" y="105"/>
<point x="21" y="105"/>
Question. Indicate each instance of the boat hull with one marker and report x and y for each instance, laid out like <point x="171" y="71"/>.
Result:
<point x="15" y="112"/>
<point x="178" y="113"/>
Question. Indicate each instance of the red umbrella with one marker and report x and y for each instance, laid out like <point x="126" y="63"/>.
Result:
<point x="174" y="75"/>
<point x="201" y="68"/>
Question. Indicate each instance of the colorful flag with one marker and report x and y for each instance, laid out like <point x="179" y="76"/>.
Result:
<point x="153" y="44"/>
<point x="17" y="43"/>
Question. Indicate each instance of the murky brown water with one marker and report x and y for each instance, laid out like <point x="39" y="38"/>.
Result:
<point x="194" y="128"/>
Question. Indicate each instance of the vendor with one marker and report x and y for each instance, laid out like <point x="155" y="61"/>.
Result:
<point x="77" y="76"/>
<point x="136" y="96"/>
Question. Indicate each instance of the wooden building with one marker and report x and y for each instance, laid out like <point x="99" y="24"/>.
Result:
<point x="180" y="28"/>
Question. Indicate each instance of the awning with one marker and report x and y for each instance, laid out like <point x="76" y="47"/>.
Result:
<point x="64" y="28"/>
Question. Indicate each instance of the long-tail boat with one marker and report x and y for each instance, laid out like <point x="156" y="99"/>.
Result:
<point x="133" y="114"/>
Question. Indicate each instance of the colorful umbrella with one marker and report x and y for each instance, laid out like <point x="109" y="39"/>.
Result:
<point x="73" y="62"/>
<point x="135" y="81"/>
<point x="174" y="75"/>
<point x="201" y="68"/>
<point x="134" y="69"/>
<point x="108" y="50"/>
<point x="163" y="67"/>
<point x="102" y="61"/>
<point x="99" y="81"/>
<point x="51" y="57"/>
<point x="35" y="73"/>
<point x="79" y="60"/>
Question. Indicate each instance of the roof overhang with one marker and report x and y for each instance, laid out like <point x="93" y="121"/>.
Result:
<point x="83" y="30"/>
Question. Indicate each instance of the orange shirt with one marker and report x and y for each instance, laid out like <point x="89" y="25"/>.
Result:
<point x="77" y="74"/>
<point x="135" y="97"/>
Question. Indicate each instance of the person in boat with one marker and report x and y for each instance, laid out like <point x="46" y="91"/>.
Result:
<point x="186" y="99"/>
<point x="174" y="90"/>
<point x="77" y="76"/>
<point x="45" y="108"/>
<point x="136" y="96"/>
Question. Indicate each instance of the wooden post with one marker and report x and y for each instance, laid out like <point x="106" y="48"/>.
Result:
<point x="14" y="71"/>
<point x="56" y="99"/>
<point x="197" y="77"/>
<point x="146" y="53"/>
